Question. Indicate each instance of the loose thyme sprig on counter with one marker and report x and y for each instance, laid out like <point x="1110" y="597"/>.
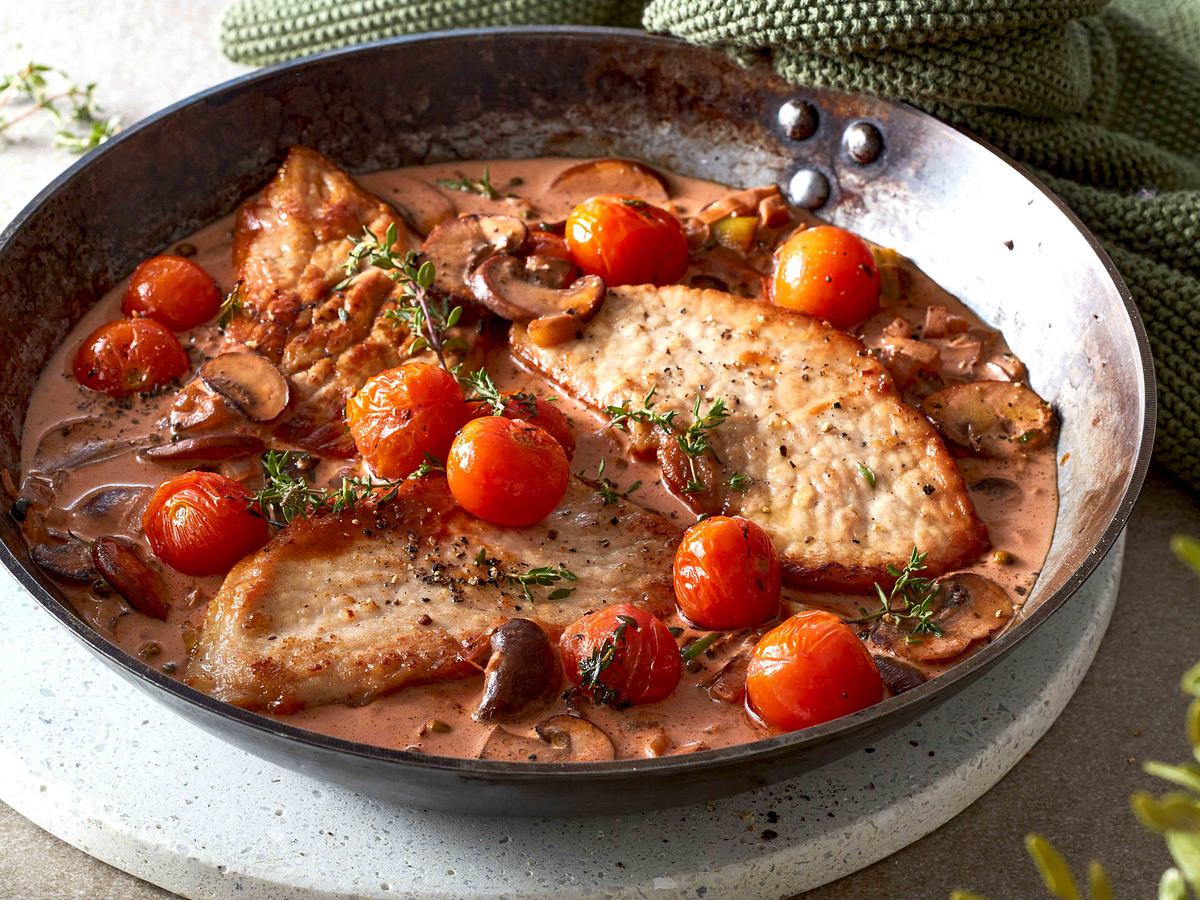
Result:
<point x="45" y="88"/>
<point x="426" y="318"/>
<point x="910" y="599"/>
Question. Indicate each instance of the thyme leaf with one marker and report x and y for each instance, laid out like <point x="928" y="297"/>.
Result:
<point x="694" y="441"/>
<point x="231" y="307"/>
<point x="698" y="646"/>
<point x="621" y="416"/>
<point x="481" y="186"/>
<point x="867" y="475"/>
<point x="608" y="489"/>
<point x="484" y="390"/>
<point x="910" y="599"/>
<point x="591" y="667"/>
<point x="740" y="482"/>
<point x="425" y="318"/>
<point x="37" y="88"/>
<point x="543" y="576"/>
<point x="288" y="495"/>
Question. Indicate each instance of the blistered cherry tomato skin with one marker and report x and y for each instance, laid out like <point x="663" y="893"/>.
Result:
<point x="506" y="471"/>
<point x="808" y="670"/>
<point x="645" y="666"/>
<point x="727" y="574"/>
<point x="535" y="411"/>
<point x="172" y="290"/>
<point x="827" y="272"/>
<point x="625" y="240"/>
<point x="129" y="356"/>
<point x="201" y="523"/>
<point x="403" y="414"/>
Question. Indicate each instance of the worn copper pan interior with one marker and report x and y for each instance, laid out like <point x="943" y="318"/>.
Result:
<point x="964" y="214"/>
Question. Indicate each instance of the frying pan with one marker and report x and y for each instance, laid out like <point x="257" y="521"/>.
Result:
<point x="969" y="217"/>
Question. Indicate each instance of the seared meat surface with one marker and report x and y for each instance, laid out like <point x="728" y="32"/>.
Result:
<point x="290" y="243"/>
<point x="845" y="476"/>
<point x="345" y="608"/>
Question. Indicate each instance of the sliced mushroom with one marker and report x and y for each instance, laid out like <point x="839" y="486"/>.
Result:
<point x="898" y="675"/>
<point x="509" y="746"/>
<point x="516" y="290"/>
<point x="458" y="246"/>
<point x="577" y="739"/>
<point x="251" y="384"/>
<point x="422" y="205"/>
<point x="729" y="683"/>
<point x="122" y="566"/>
<point x="70" y="561"/>
<point x="743" y="203"/>
<point x="626" y="177"/>
<point x="73" y="445"/>
<point x="677" y="471"/>
<point x="971" y="608"/>
<point x="523" y="671"/>
<point x="996" y="418"/>
<point x="118" y="501"/>
<point x="560" y="738"/>
<point x="209" y="448"/>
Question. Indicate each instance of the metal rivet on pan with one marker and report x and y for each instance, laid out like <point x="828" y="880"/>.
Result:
<point x="808" y="189"/>
<point x="863" y="142"/>
<point x="798" y="118"/>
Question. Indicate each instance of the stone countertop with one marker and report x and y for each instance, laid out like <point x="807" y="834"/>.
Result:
<point x="1073" y="787"/>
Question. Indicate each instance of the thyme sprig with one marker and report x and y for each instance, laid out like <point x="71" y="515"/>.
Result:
<point x="481" y="186"/>
<point x="543" y="576"/>
<point x="910" y="599"/>
<point x="621" y="416"/>
<point x="231" y="307"/>
<point x="425" y="318"/>
<point x="591" y="667"/>
<point x="287" y="494"/>
<point x="610" y="492"/>
<point x="694" y="442"/>
<point x="73" y="107"/>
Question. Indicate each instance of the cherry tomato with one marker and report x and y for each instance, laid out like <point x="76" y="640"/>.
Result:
<point x="535" y="411"/>
<point x="808" y="670"/>
<point x="726" y="574"/>
<point x="128" y="357"/>
<point x="507" y="471"/>
<point x="404" y="413"/>
<point x="172" y="290"/>
<point x="827" y="272"/>
<point x="201" y="523"/>
<point x="621" y="656"/>
<point x="627" y="241"/>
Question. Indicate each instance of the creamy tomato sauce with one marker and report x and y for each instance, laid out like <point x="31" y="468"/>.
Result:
<point x="81" y="474"/>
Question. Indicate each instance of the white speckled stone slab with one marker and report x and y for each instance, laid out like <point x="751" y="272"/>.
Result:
<point x="97" y="763"/>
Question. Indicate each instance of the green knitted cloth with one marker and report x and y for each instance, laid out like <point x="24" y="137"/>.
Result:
<point x="1103" y="101"/>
